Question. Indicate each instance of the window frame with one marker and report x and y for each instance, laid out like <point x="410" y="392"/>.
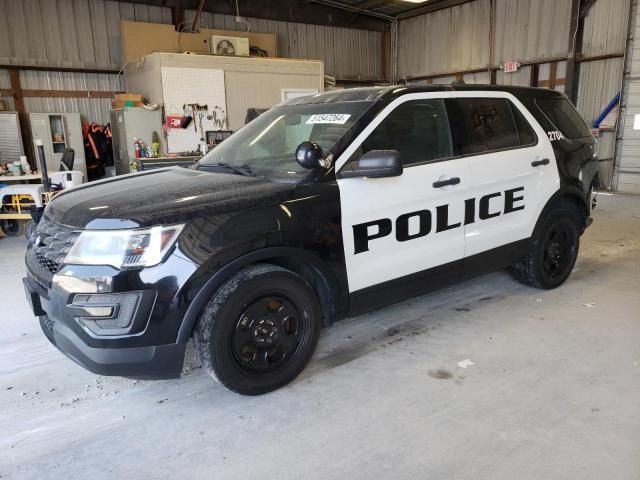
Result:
<point x="511" y="106"/>
<point x="347" y="155"/>
<point x="553" y="124"/>
<point x="448" y="123"/>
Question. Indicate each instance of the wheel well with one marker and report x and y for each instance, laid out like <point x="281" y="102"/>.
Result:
<point x="581" y="209"/>
<point x="316" y="279"/>
<point x="310" y="268"/>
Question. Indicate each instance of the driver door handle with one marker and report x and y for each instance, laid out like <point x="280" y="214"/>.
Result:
<point x="444" y="183"/>
<point x="538" y="163"/>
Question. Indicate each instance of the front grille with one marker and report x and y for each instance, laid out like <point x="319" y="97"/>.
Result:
<point x="53" y="242"/>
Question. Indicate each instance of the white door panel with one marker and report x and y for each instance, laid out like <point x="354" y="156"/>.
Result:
<point x="389" y="212"/>
<point x="503" y="171"/>
<point x="373" y="200"/>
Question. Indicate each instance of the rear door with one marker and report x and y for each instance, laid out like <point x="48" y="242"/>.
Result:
<point x="394" y="228"/>
<point x="510" y="160"/>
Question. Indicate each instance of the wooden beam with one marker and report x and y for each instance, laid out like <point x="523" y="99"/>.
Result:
<point x="68" y="93"/>
<point x="433" y="7"/>
<point x="493" y="76"/>
<point x="553" y="72"/>
<point x="53" y="68"/>
<point x="369" y="4"/>
<point x="18" y="104"/>
<point x="533" y="77"/>
<point x="576" y="29"/>
<point x="386" y="54"/>
<point x="197" y="17"/>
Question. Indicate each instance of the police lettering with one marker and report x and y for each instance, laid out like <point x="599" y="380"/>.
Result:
<point x="483" y="209"/>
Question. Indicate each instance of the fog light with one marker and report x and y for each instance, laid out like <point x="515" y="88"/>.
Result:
<point x="106" y="314"/>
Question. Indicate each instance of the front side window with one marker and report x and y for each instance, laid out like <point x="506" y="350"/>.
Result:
<point x="565" y="118"/>
<point x="417" y="129"/>
<point x="482" y="125"/>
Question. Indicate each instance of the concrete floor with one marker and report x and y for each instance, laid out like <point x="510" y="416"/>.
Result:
<point x="553" y="391"/>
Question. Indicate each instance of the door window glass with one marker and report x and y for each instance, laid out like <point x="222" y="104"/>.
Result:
<point x="481" y="125"/>
<point x="565" y="118"/>
<point x="417" y="129"/>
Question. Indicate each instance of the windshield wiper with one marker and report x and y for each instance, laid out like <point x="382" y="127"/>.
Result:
<point x="244" y="170"/>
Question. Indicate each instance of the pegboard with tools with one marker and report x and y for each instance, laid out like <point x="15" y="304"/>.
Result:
<point x="194" y="103"/>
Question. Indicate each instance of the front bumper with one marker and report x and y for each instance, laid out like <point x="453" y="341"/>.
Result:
<point x="137" y="355"/>
<point x="153" y="362"/>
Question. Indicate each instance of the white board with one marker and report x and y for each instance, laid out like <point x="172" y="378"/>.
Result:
<point x="181" y="86"/>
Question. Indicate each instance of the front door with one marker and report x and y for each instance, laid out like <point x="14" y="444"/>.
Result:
<point x="395" y="229"/>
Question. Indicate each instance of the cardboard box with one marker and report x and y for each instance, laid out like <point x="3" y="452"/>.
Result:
<point x="123" y="97"/>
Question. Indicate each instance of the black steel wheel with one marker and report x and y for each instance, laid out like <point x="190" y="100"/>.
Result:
<point x="259" y="330"/>
<point x="558" y="250"/>
<point x="553" y="249"/>
<point x="11" y="228"/>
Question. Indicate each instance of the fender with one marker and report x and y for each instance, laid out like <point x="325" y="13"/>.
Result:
<point x="565" y="191"/>
<point x="222" y="275"/>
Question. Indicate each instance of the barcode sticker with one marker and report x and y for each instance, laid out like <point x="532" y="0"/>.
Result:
<point x="337" y="118"/>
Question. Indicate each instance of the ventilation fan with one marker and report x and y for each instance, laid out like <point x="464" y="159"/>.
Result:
<point x="221" y="45"/>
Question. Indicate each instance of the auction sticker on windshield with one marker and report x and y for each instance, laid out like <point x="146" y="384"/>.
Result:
<point x="339" y="118"/>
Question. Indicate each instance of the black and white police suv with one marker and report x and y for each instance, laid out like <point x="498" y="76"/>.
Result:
<point x="323" y="207"/>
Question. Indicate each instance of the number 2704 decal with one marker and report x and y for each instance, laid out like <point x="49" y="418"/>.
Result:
<point x="555" y="135"/>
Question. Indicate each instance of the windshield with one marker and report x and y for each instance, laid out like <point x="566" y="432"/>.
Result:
<point x="266" y="146"/>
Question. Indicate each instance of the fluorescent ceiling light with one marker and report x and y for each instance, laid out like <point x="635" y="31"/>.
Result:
<point x="415" y="1"/>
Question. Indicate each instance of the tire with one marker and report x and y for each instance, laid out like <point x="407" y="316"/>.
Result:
<point x="553" y="249"/>
<point x="259" y="330"/>
<point x="11" y="228"/>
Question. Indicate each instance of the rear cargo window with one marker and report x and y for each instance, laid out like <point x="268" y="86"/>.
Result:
<point x="564" y="117"/>
<point x="483" y="125"/>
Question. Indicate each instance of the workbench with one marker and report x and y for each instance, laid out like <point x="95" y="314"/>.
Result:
<point x="20" y="178"/>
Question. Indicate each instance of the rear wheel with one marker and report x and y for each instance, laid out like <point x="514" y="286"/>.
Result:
<point x="11" y="228"/>
<point x="259" y="330"/>
<point x="553" y="249"/>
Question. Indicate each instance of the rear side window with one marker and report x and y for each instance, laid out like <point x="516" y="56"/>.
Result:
<point x="417" y="129"/>
<point x="482" y="125"/>
<point x="564" y="117"/>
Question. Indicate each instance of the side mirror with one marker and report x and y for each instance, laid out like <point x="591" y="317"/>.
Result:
<point x="374" y="164"/>
<point x="309" y="155"/>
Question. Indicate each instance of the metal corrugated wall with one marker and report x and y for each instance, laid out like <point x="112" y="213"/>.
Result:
<point x="86" y="34"/>
<point x="605" y="32"/>
<point x="628" y="148"/>
<point x="457" y="39"/>
<point x="527" y="30"/>
<point x="347" y="53"/>
<point x="449" y="40"/>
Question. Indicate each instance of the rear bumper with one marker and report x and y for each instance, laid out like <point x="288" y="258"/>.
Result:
<point x="153" y="362"/>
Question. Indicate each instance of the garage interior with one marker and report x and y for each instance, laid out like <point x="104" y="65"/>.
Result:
<point x="484" y="379"/>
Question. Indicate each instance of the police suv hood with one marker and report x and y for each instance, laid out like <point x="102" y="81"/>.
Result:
<point x="165" y="196"/>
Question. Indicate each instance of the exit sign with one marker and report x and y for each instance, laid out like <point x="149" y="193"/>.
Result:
<point x="510" y="67"/>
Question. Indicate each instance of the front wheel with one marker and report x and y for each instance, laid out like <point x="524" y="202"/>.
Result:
<point x="259" y="330"/>
<point x="553" y="250"/>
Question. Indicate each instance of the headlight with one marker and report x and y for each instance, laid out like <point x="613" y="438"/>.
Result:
<point x="123" y="248"/>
